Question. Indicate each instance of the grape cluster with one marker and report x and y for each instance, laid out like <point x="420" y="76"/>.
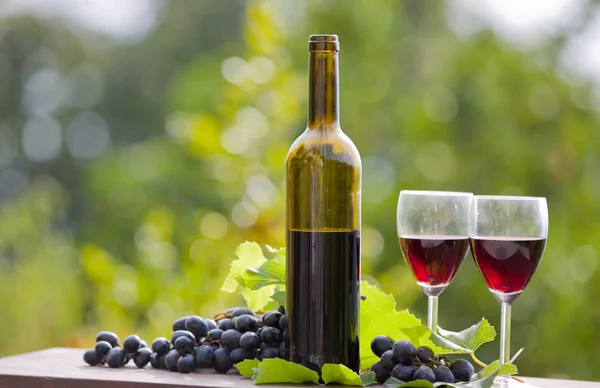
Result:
<point x="402" y="360"/>
<point x="108" y="351"/>
<point x="238" y="334"/>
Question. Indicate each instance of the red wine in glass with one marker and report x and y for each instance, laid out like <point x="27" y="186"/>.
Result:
<point x="434" y="260"/>
<point x="507" y="263"/>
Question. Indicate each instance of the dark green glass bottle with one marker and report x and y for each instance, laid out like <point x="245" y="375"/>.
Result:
<point x="323" y="181"/>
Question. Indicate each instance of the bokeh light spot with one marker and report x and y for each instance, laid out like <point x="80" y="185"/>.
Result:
<point x="372" y="242"/>
<point x="244" y="214"/>
<point x="42" y="139"/>
<point x="213" y="225"/>
<point x="440" y="103"/>
<point x="202" y="250"/>
<point x="583" y="263"/>
<point x="261" y="69"/>
<point x="378" y="179"/>
<point x="87" y="135"/>
<point x="234" y="140"/>
<point x="234" y="70"/>
<point x="436" y="162"/>
<point x="261" y="190"/>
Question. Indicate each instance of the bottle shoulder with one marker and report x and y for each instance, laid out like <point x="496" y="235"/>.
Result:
<point x="326" y="144"/>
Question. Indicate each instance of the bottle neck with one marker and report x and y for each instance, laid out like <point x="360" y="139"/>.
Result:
<point x="323" y="90"/>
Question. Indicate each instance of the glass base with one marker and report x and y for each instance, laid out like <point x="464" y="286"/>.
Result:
<point x="430" y="290"/>
<point x="507" y="382"/>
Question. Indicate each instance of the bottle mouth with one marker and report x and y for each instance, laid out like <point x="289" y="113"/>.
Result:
<point x="323" y="42"/>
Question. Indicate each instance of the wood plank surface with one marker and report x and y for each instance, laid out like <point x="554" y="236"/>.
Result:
<point x="64" y="368"/>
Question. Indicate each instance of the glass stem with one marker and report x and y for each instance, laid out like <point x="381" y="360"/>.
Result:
<point x="432" y="314"/>
<point x="505" y="334"/>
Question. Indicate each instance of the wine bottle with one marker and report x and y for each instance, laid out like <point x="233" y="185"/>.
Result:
<point x="323" y="180"/>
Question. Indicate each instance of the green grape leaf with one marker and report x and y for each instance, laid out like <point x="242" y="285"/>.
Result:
<point x="341" y="374"/>
<point x="466" y="341"/>
<point x="378" y="316"/>
<point x="279" y="297"/>
<point x="278" y="251"/>
<point x="393" y="382"/>
<point x="269" y="273"/>
<point x="249" y="255"/>
<point x="469" y="339"/>
<point x="503" y="370"/>
<point x="368" y="379"/>
<point x="246" y="367"/>
<point x="490" y="374"/>
<point x="258" y="299"/>
<point x="276" y="370"/>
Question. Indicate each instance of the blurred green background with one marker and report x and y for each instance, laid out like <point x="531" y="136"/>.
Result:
<point x="141" y="141"/>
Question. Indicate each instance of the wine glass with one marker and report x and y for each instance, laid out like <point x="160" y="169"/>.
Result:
<point x="433" y="229"/>
<point x="508" y="237"/>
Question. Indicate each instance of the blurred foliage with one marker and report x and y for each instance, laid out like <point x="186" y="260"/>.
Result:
<point x="171" y="151"/>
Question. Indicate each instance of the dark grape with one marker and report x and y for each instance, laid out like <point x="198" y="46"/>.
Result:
<point x="424" y="373"/>
<point x="281" y="310"/>
<point x="162" y="361"/>
<point x="102" y="348"/>
<point x="128" y="358"/>
<point x="271" y="336"/>
<point x="443" y="374"/>
<point x="115" y="357"/>
<point x="91" y="357"/>
<point x="211" y="324"/>
<point x="142" y="357"/>
<point x="109" y="337"/>
<point x="270" y="353"/>
<point x="238" y="355"/>
<point x="161" y="346"/>
<point x="283" y="351"/>
<point x="425" y="354"/>
<point x="131" y="344"/>
<point x="249" y="341"/>
<point x="180" y="324"/>
<point x="462" y="370"/>
<point x="154" y="360"/>
<point x="380" y="344"/>
<point x="381" y="373"/>
<point x="182" y="333"/>
<point x="143" y="344"/>
<point x="204" y="356"/>
<point x="404" y="352"/>
<point x="186" y="364"/>
<point x="237" y="311"/>
<point x="246" y="323"/>
<point x="222" y="361"/>
<point x="197" y="326"/>
<point x="231" y="339"/>
<point x="214" y="334"/>
<point x="388" y="360"/>
<point x="271" y="319"/>
<point x="184" y="345"/>
<point x="403" y="372"/>
<point x="171" y="360"/>
<point x="226" y="324"/>
<point x="263" y="346"/>
<point x="283" y="322"/>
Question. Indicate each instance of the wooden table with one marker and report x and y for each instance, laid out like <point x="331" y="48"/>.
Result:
<point x="64" y="368"/>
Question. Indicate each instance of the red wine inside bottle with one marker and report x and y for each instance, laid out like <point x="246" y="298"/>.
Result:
<point x="323" y="302"/>
<point x="323" y="177"/>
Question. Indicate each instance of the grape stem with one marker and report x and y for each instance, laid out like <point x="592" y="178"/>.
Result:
<point x="483" y="364"/>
